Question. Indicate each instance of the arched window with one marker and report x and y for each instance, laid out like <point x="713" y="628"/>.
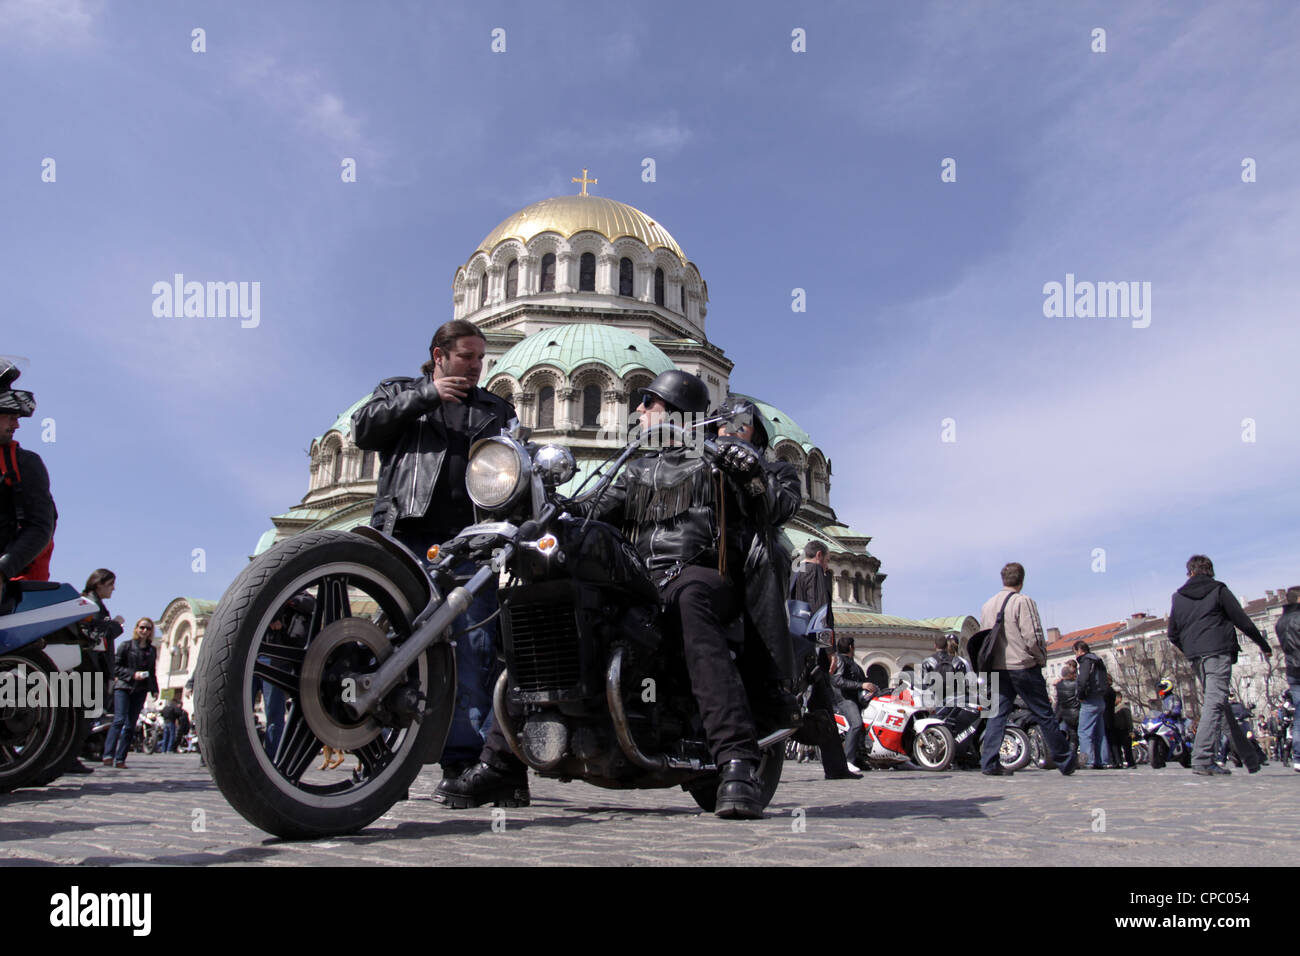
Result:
<point x="185" y="653"/>
<point x="878" y="674"/>
<point x="625" y="276"/>
<point x="591" y="406"/>
<point x="512" y="278"/>
<point x="367" y="464"/>
<point x="857" y="589"/>
<point x="587" y="273"/>
<point x="683" y="289"/>
<point x="659" y="287"/>
<point x="482" y="290"/>
<point x="548" y="272"/>
<point x="338" y="465"/>
<point x="546" y="408"/>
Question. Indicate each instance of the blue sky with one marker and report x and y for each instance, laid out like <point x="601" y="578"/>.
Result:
<point x="775" y="170"/>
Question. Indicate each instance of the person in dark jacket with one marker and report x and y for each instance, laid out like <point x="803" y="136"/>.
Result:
<point x="813" y="586"/>
<point x="27" y="513"/>
<point x="673" y="508"/>
<point x="171" y="713"/>
<point x="134" y="665"/>
<point x="1202" y="625"/>
<point x="849" y="682"/>
<point x="1092" y="686"/>
<point x="423" y="429"/>
<point x="1119" y="731"/>
<point x="1288" y="636"/>
<point x="1067" y="702"/>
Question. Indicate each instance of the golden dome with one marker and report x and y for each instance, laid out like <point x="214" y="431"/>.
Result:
<point x="569" y="215"/>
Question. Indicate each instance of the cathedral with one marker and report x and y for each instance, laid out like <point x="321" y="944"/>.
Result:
<point x="583" y="300"/>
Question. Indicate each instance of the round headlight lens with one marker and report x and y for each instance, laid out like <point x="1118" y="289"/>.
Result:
<point x="495" y="474"/>
<point x="555" y="464"/>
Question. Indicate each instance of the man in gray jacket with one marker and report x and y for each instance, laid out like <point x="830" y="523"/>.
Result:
<point x="1016" y="659"/>
<point x="1203" y="625"/>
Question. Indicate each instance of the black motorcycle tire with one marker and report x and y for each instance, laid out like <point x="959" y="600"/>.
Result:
<point x="225" y="716"/>
<point x="1185" y="758"/>
<point x="705" y="793"/>
<point x="1159" y="753"/>
<point x="31" y="740"/>
<point x="68" y="750"/>
<point x="1021" y="749"/>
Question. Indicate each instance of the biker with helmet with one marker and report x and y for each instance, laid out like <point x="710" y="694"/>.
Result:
<point x="1170" y="703"/>
<point x="27" y="513"/>
<point x="689" y="529"/>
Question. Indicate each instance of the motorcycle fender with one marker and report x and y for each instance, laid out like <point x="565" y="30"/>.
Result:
<point x="65" y="657"/>
<point x="399" y="551"/>
<point x="924" y="722"/>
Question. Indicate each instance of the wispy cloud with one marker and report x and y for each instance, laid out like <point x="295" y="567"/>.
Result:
<point x="49" y="23"/>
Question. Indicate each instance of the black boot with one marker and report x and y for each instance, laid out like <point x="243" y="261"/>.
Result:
<point x="482" y="784"/>
<point x="740" y="793"/>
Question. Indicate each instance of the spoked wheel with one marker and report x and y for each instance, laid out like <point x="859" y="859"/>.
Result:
<point x="303" y="671"/>
<point x="705" y="792"/>
<point x="933" y="748"/>
<point x="29" y="736"/>
<point x="1015" y="752"/>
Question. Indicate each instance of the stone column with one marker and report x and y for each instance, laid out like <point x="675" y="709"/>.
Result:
<point x="643" y="279"/>
<point x="527" y="275"/>
<point x="496" y="288"/>
<point x="607" y="273"/>
<point x="566" y="279"/>
<point x="524" y="403"/>
<point x="564" y="418"/>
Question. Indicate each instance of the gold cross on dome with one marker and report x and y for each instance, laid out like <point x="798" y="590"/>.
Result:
<point x="585" y="181"/>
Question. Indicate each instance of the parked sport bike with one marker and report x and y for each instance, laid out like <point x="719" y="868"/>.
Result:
<point x="896" y="728"/>
<point x="593" y="690"/>
<point x="42" y="655"/>
<point x="967" y="726"/>
<point x="1164" y="736"/>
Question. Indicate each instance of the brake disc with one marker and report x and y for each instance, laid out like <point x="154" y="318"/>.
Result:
<point x="345" y="647"/>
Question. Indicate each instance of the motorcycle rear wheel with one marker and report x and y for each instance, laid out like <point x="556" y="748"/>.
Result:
<point x="1015" y="752"/>
<point x="933" y="748"/>
<point x="705" y="793"/>
<point x="282" y="793"/>
<point x="30" y="736"/>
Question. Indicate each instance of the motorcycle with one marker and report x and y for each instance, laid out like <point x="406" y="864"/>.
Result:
<point x="896" y="729"/>
<point x="148" y="732"/>
<point x="1164" y="736"/>
<point x="967" y="727"/>
<point x="42" y="662"/>
<point x="592" y="690"/>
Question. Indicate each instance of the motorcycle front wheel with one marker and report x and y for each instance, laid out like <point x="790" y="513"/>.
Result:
<point x="933" y="748"/>
<point x="1159" y="753"/>
<point x="365" y="599"/>
<point x="1015" y="752"/>
<point x="30" y="736"/>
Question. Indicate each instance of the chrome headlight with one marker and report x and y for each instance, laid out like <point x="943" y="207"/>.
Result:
<point x="554" y="464"/>
<point x="498" y="473"/>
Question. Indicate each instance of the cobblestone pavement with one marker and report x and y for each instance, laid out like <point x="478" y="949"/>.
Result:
<point x="148" y="814"/>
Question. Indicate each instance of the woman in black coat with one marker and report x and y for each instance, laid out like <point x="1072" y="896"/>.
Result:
<point x="134" y="665"/>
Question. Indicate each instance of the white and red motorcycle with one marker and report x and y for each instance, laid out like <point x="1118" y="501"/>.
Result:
<point x="896" y="729"/>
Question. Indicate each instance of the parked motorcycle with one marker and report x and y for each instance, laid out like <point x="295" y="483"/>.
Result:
<point x="40" y="647"/>
<point x="967" y="726"/>
<point x="896" y="728"/>
<point x="1164" y="736"/>
<point x="593" y="690"/>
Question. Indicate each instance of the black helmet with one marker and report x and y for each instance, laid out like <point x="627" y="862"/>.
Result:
<point x="13" y="401"/>
<point x="745" y="412"/>
<point x="681" y="391"/>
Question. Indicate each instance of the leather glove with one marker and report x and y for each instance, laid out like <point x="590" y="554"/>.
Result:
<point x="740" y="459"/>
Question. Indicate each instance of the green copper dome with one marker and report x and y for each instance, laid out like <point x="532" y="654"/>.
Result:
<point x="568" y="347"/>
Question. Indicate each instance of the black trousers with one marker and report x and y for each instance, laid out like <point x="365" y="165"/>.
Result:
<point x="698" y="605"/>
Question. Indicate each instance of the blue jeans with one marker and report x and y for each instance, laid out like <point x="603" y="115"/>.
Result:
<point x="1092" y="730"/>
<point x="169" y="736"/>
<point x="477" y="667"/>
<point x="1294" y="690"/>
<point x="126" y="711"/>
<point x="1032" y="689"/>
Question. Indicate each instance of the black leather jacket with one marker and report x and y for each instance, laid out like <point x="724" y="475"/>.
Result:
<point x="21" y="540"/>
<point x="848" y="678"/>
<point x="767" y="561"/>
<point x="133" y="656"/>
<point x="1204" y="619"/>
<point x="1067" y="701"/>
<point x="1288" y="635"/>
<point x="412" y="443"/>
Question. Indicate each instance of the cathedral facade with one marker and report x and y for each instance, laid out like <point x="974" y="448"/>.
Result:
<point x="583" y="300"/>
